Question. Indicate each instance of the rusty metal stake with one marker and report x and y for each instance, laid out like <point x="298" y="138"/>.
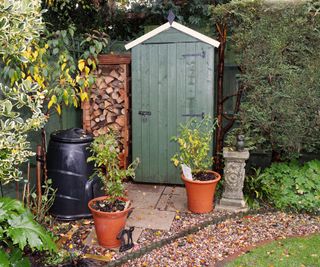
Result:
<point x="38" y="175"/>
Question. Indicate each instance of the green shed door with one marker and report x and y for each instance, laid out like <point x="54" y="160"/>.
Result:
<point x="170" y="83"/>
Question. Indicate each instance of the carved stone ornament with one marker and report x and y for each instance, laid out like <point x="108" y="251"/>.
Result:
<point x="234" y="174"/>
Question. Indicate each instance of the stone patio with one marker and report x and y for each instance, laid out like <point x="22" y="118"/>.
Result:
<point x="155" y="207"/>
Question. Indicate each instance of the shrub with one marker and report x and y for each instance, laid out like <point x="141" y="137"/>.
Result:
<point x="280" y="74"/>
<point x="194" y="140"/>
<point x="289" y="185"/>
<point x="105" y="155"/>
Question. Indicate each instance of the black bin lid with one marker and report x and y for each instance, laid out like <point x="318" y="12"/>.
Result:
<point x="73" y="135"/>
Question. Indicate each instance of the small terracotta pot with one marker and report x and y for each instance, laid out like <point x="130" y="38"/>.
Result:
<point x="108" y="224"/>
<point x="201" y="193"/>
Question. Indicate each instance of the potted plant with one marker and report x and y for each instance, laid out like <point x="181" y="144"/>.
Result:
<point x="194" y="140"/>
<point x="110" y="211"/>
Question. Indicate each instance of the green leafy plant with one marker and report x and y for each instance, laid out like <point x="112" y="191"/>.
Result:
<point x="254" y="189"/>
<point x="18" y="231"/>
<point x="289" y="185"/>
<point x="21" y="102"/>
<point x="194" y="141"/>
<point x="105" y="155"/>
<point x="279" y="73"/>
<point x="39" y="206"/>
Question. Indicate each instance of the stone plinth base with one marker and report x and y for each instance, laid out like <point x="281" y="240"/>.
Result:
<point x="234" y="173"/>
<point x="236" y="205"/>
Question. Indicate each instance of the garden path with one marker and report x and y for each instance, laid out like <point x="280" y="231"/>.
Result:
<point x="155" y="207"/>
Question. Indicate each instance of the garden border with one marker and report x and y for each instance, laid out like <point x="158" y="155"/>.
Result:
<point x="158" y="244"/>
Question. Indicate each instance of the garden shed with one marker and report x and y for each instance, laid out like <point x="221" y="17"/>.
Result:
<point x="172" y="80"/>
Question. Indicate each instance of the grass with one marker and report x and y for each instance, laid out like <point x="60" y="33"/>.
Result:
<point x="291" y="252"/>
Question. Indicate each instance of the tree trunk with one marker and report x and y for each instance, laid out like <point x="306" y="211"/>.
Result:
<point x="219" y="133"/>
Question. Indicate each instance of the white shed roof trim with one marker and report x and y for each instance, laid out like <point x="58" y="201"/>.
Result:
<point x="178" y="27"/>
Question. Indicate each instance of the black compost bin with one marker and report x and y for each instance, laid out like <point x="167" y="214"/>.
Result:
<point x="68" y="168"/>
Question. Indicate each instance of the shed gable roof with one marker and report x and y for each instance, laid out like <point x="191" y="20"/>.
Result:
<point x="178" y="27"/>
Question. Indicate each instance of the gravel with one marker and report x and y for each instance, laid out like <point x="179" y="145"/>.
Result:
<point x="205" y="247"/>
<point x="217" y="242"/>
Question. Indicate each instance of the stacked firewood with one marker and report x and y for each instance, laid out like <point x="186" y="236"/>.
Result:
<point x="108" y="106"/>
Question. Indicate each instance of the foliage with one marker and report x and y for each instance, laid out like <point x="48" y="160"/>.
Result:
<point x="62" y="13"/>
<point x="105" y="155"/>
<point x="39" y="71"/>
<point x="39" y="207"/>
<point x="18" y="230"/>
<point x="56" y="66"/>
<point x="255" y="191"/>
<point x="235" y="13"/>
<point x="289" y="185"/>
<point x="122" y="20"/>
<point x="22" y="102"/>
<point x="298" y="251"/>
<point x="279" y="74"/>
<point x="194" y="140"/>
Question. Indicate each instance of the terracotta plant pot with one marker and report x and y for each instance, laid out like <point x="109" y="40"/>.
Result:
<point x="108" y="224"/>
<point x="201" y="193"/>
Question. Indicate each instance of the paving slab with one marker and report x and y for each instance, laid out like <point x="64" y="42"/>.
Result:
<point x="92" y="240"/>
<point x="151" y="218"/>
<point x="144" y="196"/>
<point x="168" y="190"/>
<point x="177" y="202"/>
<point x="179" y="190"/>
<point x="145" y="187"/>
<point x="163" y="202"/>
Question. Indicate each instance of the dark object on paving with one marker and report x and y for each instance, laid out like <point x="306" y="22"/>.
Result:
<point x="68" y="168"/>
<point x="126" y="239"/>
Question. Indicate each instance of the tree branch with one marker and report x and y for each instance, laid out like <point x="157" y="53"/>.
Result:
<point x="227" y="97"/>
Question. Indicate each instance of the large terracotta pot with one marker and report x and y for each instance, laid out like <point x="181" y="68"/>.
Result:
<point x="201" y="193"/>
<point x="108" y="224"/>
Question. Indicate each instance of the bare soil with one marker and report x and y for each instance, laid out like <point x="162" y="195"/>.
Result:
<point x="109" y="206"/>
<point x="203" y="176"/>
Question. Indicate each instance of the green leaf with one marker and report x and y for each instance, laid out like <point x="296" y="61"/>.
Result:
<point x="9" y="206"/>
<point x="4" y="259"/>
<point x="55" y="51"/>
<point x="24" y="230"/>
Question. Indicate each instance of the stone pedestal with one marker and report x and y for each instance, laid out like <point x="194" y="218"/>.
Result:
<point x="234" y="173"/>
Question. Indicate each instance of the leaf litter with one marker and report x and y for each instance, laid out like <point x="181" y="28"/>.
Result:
<point x="203" y="248"/>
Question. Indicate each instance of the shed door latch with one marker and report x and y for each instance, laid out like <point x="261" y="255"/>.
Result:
<point x="194" y="115"/>
<point x="144" y="113"/>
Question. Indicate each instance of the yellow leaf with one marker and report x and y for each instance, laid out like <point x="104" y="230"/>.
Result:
<point x="81" y="64"/>
<point x="65" y="93"/>
<point x="63" y="66"/>
<point x="86" y="70"/>
<point x="83" y="96"/>
<point x="176" y="162"/>
<point x="50" y="104"/>
<point x="158" y="233"/>
<point x="75" y="102"/>
<point x="58" y="108"/>
<point x="35" y="54"/>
